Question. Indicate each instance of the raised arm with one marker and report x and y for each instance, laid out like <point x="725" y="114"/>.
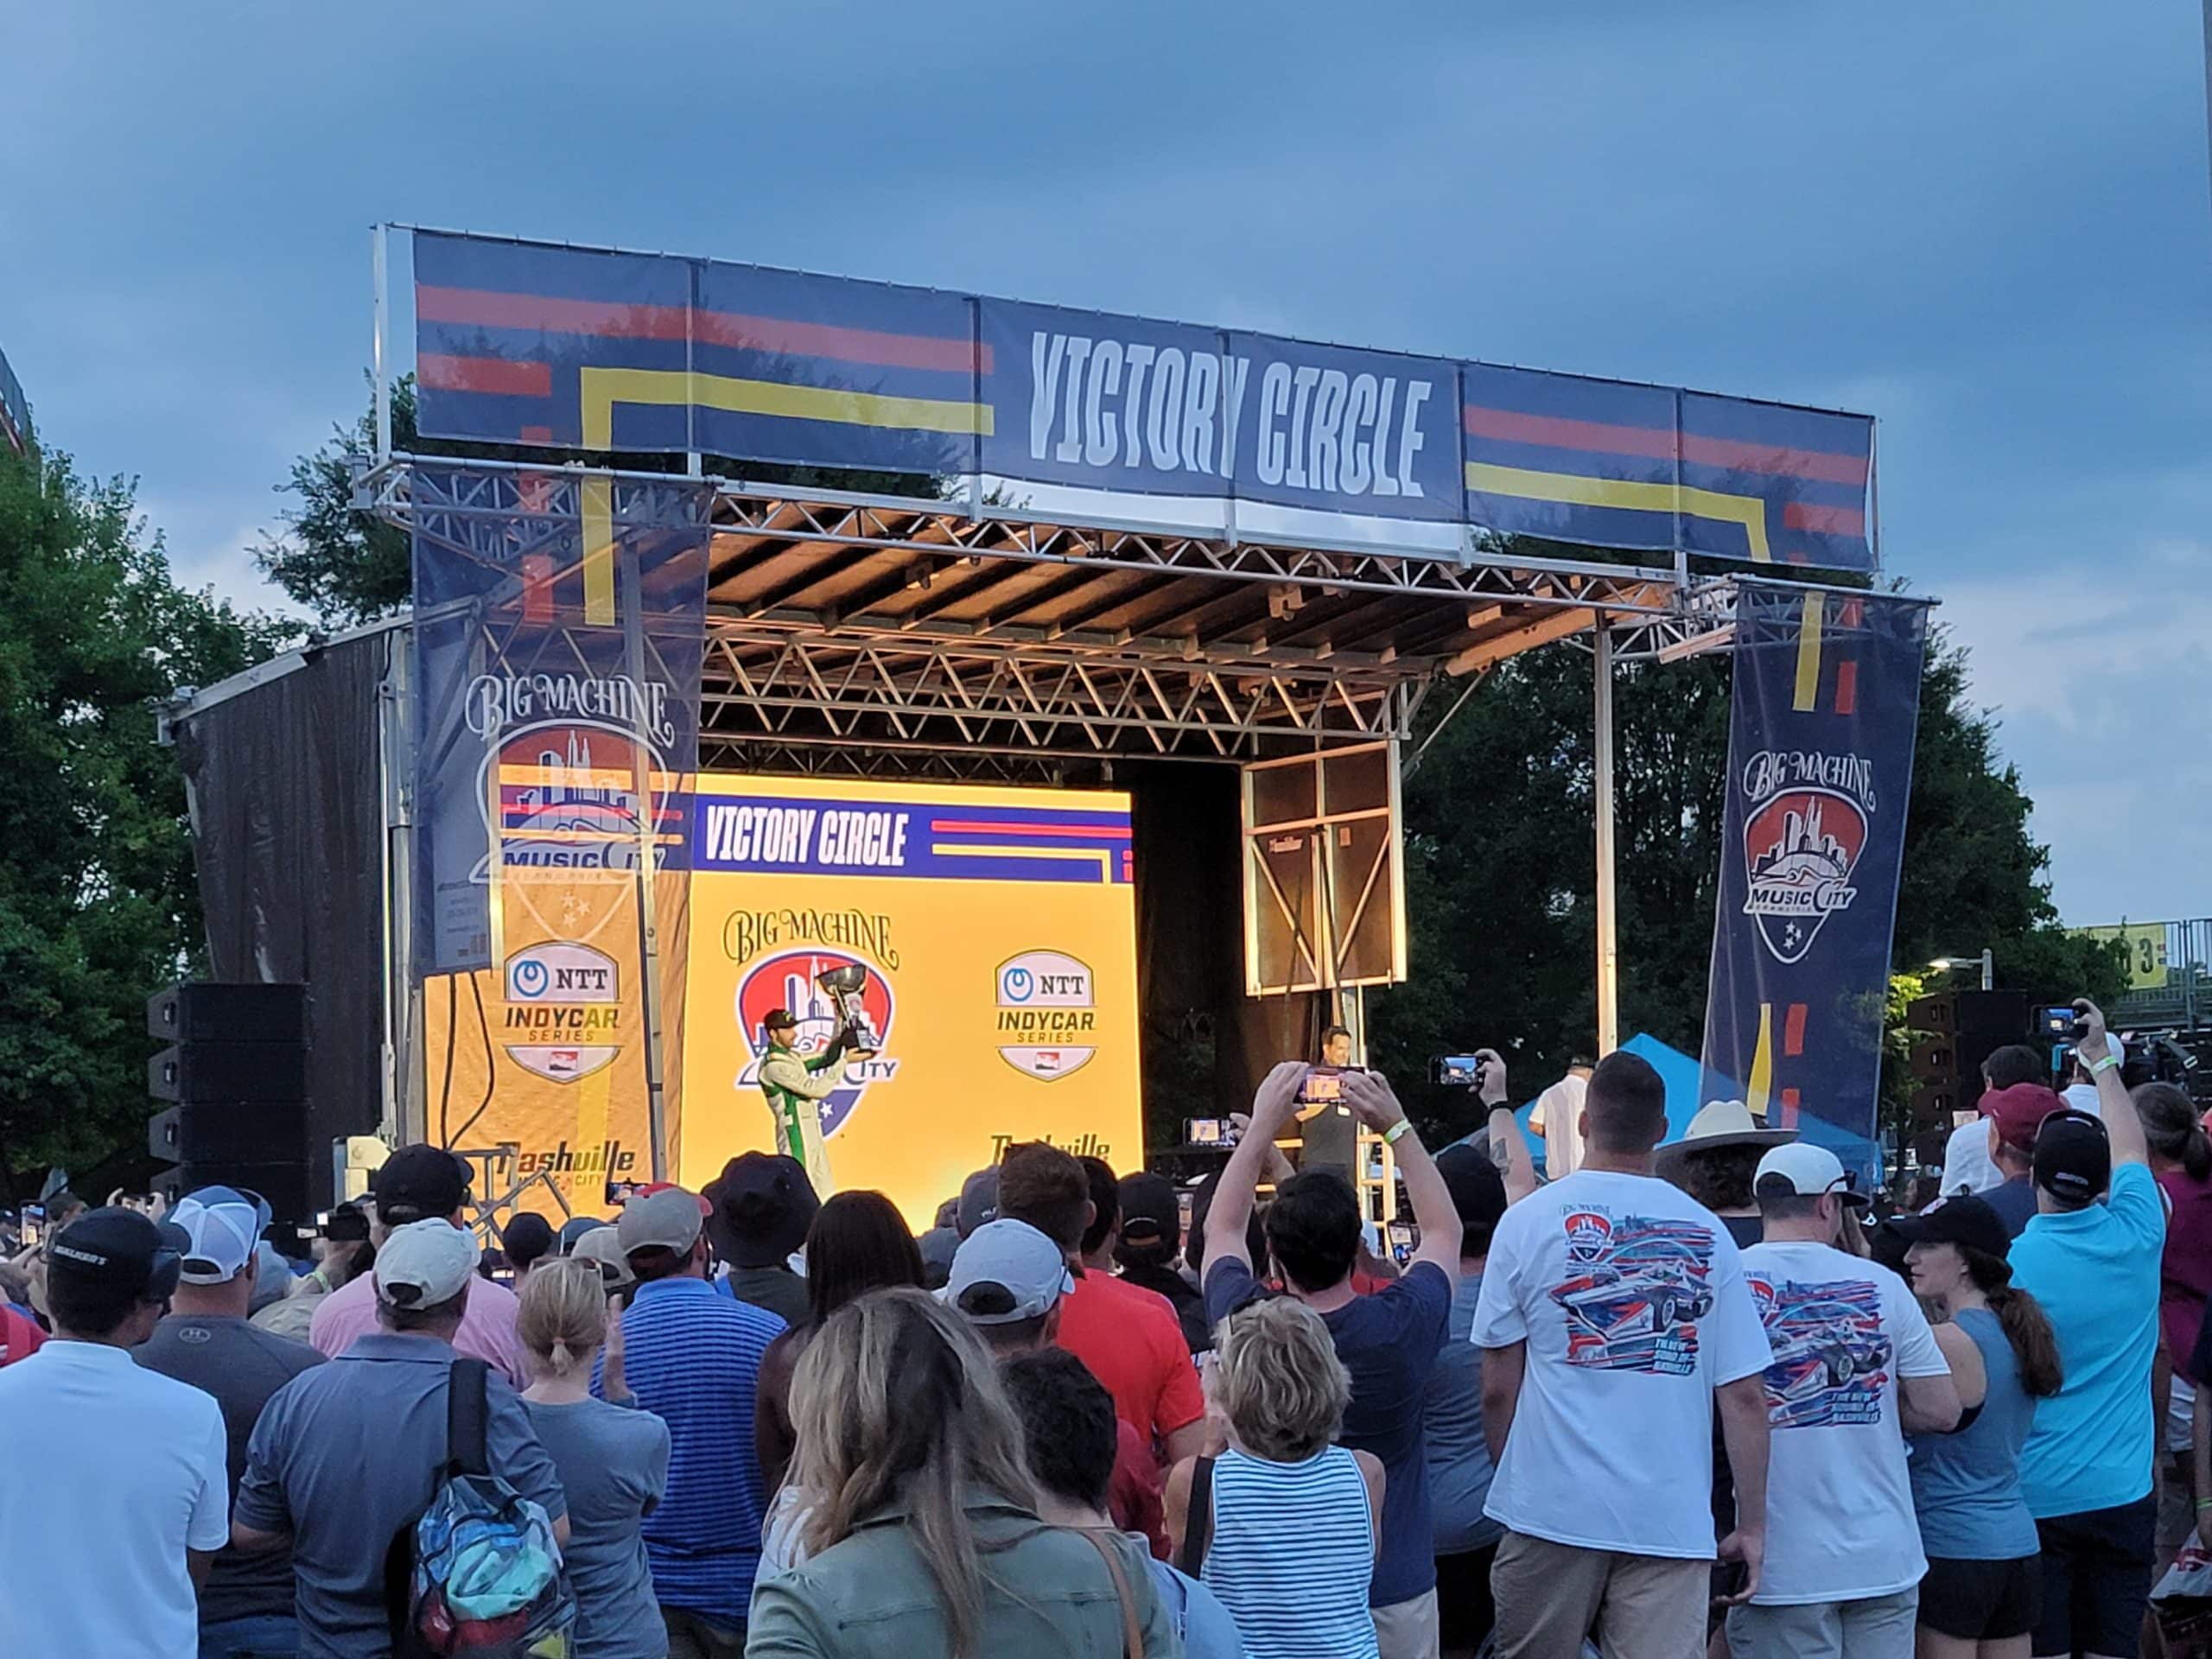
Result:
<point x="2101" y="1055"/>
<point x="1272" y="1106"/>
<point x="1371" y="1099"/>
<point x="1509" y="1148"/>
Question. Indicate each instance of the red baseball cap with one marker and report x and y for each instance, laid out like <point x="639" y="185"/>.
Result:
<point x="2019" y="1112"/>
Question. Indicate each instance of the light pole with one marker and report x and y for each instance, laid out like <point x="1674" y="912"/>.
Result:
<point x="1984" y="962"/>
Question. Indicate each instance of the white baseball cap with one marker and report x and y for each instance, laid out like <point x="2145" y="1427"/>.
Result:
<point x="1809" y="1171"/>
<point x="223" y="1224"/>
<point x="424" y="1264"/>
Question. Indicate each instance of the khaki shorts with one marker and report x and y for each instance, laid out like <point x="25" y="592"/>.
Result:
<point x="1551" y="1595"/>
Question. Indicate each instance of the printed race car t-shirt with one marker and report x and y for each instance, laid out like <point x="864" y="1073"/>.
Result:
<point x="1631" y="1296"/>
<point x="1839" y="1502"/>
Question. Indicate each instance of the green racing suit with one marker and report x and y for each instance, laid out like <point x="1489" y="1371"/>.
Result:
<point x="796" y="1085"/>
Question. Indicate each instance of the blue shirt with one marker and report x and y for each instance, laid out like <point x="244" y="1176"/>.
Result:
<point x="691" y="1355"/>
<point x="2014" y="1201"/>
<point x="1965" y="1486"/>
<point x="1207" y="1630"/>
<point x="1459" y="1467"/>
<point x="2095" y="1271"/>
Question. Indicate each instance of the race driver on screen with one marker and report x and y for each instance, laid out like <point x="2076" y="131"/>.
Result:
<point x="796" y="1085"/>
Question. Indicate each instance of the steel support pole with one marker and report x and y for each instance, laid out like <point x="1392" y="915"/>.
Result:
<point x="1609" y="966"/>
<point x="380" y="363"/>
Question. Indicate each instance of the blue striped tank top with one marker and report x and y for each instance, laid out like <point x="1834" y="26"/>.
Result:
<point x="1292" y="1552"/>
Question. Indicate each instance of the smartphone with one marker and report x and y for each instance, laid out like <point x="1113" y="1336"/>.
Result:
<point x="2060" y="1025"/>
<point x="33" y="1220"/>
<point x="1322" y="1085"/>
<point x="1209" y="1132"/>
<point x="1456" y="1071"/>
<point x="1401" y="1241"/>
<point x="622" y="1192"/>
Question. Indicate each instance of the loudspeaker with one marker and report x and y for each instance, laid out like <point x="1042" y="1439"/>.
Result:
<point x="212" y="1070"/>
<point x="196" y="1012"/>
<point x="236" y="1070"/>
<point x="1955" y="1032"/>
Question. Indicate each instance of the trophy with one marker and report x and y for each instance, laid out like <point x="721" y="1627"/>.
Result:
<point x="843" y="986"/>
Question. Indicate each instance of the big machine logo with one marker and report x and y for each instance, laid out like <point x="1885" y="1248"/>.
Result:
<point x="787" y="980"/>
<point x="1804" y="827"/>
<point x="1047" y="1014"/>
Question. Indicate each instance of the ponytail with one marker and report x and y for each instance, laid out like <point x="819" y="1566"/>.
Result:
<point x="2172" y="1127"/>
<point x="2034" y="1345"/>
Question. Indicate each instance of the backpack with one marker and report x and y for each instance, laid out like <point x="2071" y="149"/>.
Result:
<point x="478" y="1574"/>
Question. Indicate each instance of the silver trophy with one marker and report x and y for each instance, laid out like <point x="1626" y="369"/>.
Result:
<point x="843" y="986"/>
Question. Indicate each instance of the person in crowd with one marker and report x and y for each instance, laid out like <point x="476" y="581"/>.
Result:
<point x="564" y="1242"/>
<point x="937" y="1245"/>
<point x="858" y="1242"/>
<point x="21" y="1334"/>
<point x="347" y="1455"/>
<point x="926" y="1543"/>
<point x="1286" y="1527"/>
<point x="420" y="1183"/>
<point x="1096" y="1248"/>
<point x="602" y="1248"/>
<point x="979" y="1201"/>
<point x="2079" y="1089"/>
<point x="1967" y="1165"/>
<point x="1464" y="1539"/>
<point x="1069" y="1432"/>
<point x="343" y="1252"/>
<point x="526" y="1240"/>
<point x="611" y="1461"/>
<point x="1388" y="1342"/>
<point x="1715" y="1161"/>
<point x="1147" y="1248"/>
<point x="1130" y="1338"/>
<point x="61" y="1208"/>
<point x="2087" y="1466"/>
<point x="245" y="1605"/>
<point x="692" y="1357"/>
<point x="106" y="1559"/>
<point x="2181" y="1160"/>
<point x="1557" y="1118"/>
<point x="1602" y="1429"/>
<point x="2014" y="1115"/>
<point x="1012" y="1283"/>
<point x="1854" y="1366"/>
<point x="762" y="1207"/>
<point x="1983" y="1594"/>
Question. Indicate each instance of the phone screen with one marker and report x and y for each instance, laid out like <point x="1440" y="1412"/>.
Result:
<point x="1322" y="1084"/>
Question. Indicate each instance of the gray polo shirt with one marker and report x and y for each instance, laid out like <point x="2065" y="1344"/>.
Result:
<point x="345" y="1455"/>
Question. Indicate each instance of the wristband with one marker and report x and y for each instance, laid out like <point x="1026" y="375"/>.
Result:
<point x="1392" y="1135"/>
<point x="2204" y="1503"/>
<point x="2105" y="1064"/>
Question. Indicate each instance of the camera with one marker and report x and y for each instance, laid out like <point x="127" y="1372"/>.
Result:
<point x="1210" y="1132"/>
<point x="1322" y="1085"/>
<point x="1458" y="1071"/>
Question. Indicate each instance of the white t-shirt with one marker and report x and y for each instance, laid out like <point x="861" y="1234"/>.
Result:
<point x="1838" y="1503"/>
<point x="1631" y="1296"/>
<point x="1968" y="1166"/>
<point x="103" y="1548"/>
<point x="1557" y="1115"/>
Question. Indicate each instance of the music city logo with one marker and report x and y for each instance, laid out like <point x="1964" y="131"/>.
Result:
<point x="1805" y="825"/>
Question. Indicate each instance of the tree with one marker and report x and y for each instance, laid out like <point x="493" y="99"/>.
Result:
<point x="1501" y="866"/>
<point x="97" y="903"/>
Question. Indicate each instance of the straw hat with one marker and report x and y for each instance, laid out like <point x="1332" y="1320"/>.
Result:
<point x="1720" y="1124"/>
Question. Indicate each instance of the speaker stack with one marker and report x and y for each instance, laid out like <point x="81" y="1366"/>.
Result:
<point x="235" y="1074"/>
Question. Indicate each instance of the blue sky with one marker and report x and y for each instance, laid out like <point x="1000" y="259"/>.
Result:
<point x="1990" y="226"/>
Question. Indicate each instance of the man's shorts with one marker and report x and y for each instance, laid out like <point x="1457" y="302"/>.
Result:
<point x="1981" y="1601"/>
<point x="2177" y="1507"/>
<point x="2097" y="1578"/>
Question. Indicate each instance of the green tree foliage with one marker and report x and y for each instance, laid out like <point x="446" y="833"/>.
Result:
<point x="98" y="904"/>
<point x="1500" y="867"/>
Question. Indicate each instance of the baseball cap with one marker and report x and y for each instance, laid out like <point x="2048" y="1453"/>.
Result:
<point x="1007" y="1270"/>
<point x="1807" y="1171"/>
<point x="526" y="1238"/>
<point x="1150" y="1213"/>
<point x="2019" y="1111"/>
<point x="573" y="1229"/>
<point x="2073" y="1155"/>
<point x="603" y="1245"/>
<point x="115" y="1251"/>
<point x="1477" y="1188"/>
<point x="419" y="1182"/>
<point x="425" y="1262"/>
<point x="979" y="1200"/>
<point x="779" y="1020"/>
<point x="660" y="1218"/>
<point x="349" y="1222"/>
<point x="1966" y="1220"/>
<point x="762" y="1207"/>
<point x="222" y="1225"/>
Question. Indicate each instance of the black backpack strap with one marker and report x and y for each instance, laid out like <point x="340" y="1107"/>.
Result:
<point x="1198" y="1522"/>
<point x="469" y="1412"/>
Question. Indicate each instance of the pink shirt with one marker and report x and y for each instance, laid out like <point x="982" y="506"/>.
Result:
<point x="488" y="1324"/>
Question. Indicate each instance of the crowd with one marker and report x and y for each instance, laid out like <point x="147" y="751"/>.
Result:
<point x="1693" y="1404"/>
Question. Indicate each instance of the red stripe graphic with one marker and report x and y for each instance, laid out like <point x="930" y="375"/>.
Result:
<point x="1556" y="432"/>
<point x="484" y="374"/>
<point x="1793" y="1030"/>
<point x="1087" y="832"/>
<point x="1790" y="1109"/>
<point x="1823" y="521"/>
<point x="481" y="309"/>
<point x="1847" y="688"/>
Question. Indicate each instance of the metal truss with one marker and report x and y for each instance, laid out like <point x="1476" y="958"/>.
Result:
<point x="498" y="510"/>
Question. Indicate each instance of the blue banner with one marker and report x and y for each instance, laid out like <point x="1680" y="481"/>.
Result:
<point x="558" y="646"/>
<point x="574" y="348"/>
<point x="1826" y="704"/>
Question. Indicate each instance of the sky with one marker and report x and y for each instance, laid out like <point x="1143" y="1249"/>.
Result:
<point x="1991" y="226"/>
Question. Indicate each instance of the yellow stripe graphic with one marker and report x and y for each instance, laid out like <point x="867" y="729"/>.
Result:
<point x="1760" y="1085"/>
<point x="602" y="389"/>
<point x="1809" y="656"/>
<point x="1573" y="490"/>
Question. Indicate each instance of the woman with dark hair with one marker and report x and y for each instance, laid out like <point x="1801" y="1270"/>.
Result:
<point x="2181" y="1161"/>
<point x="925" y="1542"/>
<point x="859" y="1243"/>
<point x="1982" y="1595"/>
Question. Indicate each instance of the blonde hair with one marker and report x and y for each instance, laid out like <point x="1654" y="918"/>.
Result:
<point x="896" y="1398"/>
<point x="563" y="1316"/>
<point x="1279" y="1380"/>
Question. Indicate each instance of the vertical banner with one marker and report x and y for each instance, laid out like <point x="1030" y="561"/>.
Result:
<point x="1826" y="707"/>
<point x="560" y="625"/>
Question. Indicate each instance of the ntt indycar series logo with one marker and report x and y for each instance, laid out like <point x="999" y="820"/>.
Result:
<point x="563" y="1010"/>
<point x="1805" y="821"/>
<point x="787" y="980"/>
<point x="1048" y="1015"/>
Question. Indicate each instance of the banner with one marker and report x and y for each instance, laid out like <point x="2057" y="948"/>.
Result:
<point x="997" y="930"/>
<point x="527" y="343"/>
<point x="1826" y="704"/>
<point x="559" y="628"/>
